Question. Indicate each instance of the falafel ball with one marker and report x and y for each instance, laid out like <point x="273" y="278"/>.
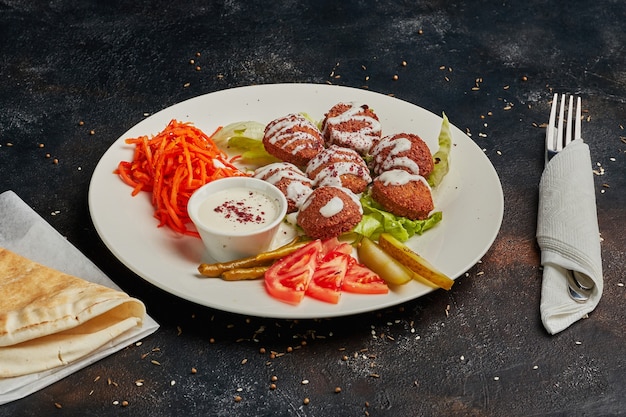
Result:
<point x="352" y="126"/>
<point x="293" y="138"/>
<point x="290" y="180"/>
<point x="338" y="166"/>
<point x="405" y="151"/>
<point x="329" y="211"/>
<point x="403" y="194"/>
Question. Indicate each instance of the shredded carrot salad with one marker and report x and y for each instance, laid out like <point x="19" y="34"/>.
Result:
<point x="172" y="165"/>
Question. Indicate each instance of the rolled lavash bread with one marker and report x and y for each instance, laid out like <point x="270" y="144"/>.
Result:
<point x="49" y="318"/>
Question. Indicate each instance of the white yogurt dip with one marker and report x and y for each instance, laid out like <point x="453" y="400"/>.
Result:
<point x="237" y="217"/>
<point x="238" y="210"/>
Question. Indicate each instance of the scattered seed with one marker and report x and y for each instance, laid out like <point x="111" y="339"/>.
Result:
<point x="274" y="378"/>
<point x="192" y="61"/>
<point x="262" y="351"/>
<point x="155" y="362"/>
<point x="404" y="63"/>
<point x="337" y="390"/>
<point x="244" y="361"/>
<point x="496" y="378"/>
<point x="139" y="382"/>
<point x="58" y="405"/>
<point x="306" y="401"/>
<point x="124" y="403"/>
<point x="55" y="161"/>
<point x="237" y="398"/>
<point x="395" y="77"/>
<point x="186" y="85"/>
<point x="272" y="386"/>
<point x="92" y="132"/>
<point x="305" y="381"/>
<point x="194" y="371"/>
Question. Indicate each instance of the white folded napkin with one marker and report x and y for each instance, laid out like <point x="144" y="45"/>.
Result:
<point x="567" y="233"/>
<point x="23" y="231"/>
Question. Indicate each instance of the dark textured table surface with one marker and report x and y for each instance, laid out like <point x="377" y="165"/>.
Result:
<point x="477" y="350"/>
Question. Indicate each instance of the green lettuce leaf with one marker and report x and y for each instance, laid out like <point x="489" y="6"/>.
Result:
<point x="442" y="156"/>
<point x="249" y="129"/>
<point x="246" y="138"/>
<point x="252" y="151"/>
<point x="376" y="221"/>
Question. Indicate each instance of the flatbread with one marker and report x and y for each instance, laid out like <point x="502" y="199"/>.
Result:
<point x="49" y="318"/>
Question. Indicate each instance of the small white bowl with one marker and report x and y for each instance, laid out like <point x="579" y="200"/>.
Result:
<point x="237" y="216"/>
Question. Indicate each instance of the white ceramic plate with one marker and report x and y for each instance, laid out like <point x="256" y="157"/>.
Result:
<point x="470" y="198"/>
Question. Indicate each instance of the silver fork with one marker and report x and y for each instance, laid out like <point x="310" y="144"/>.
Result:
<point x="555" y="142"/>
<point x="579" y="285"/>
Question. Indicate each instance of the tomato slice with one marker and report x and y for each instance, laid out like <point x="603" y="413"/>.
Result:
<point x="362" y="280"/>
<point x="334" y="245"/>
<point x="328" y="277"/>
<point x="288" y="279"/>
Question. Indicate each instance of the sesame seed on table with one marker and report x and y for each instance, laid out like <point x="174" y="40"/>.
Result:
<point x="74" y="77"/>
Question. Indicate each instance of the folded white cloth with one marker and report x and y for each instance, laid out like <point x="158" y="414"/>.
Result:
<point x="568" y="235"/>
<point x="24" y="231"/>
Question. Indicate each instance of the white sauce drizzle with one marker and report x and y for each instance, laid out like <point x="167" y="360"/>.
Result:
<point x="298" y="188"/>
<point x="334" y="162"/>
<point x="334" y="206"/>
<point x="344" y="190"/>
<point x="360" y="140"/>
<point x="277" y="171"/>
<point x="298" y="192"/>
<point x="283" y="133"/>
<point x="400" y="177"/>
<point x="391" y="160"/>
<point x="331" y="175"/>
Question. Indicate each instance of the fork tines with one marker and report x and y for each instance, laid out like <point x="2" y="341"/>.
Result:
<point x="555" y="140"/>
